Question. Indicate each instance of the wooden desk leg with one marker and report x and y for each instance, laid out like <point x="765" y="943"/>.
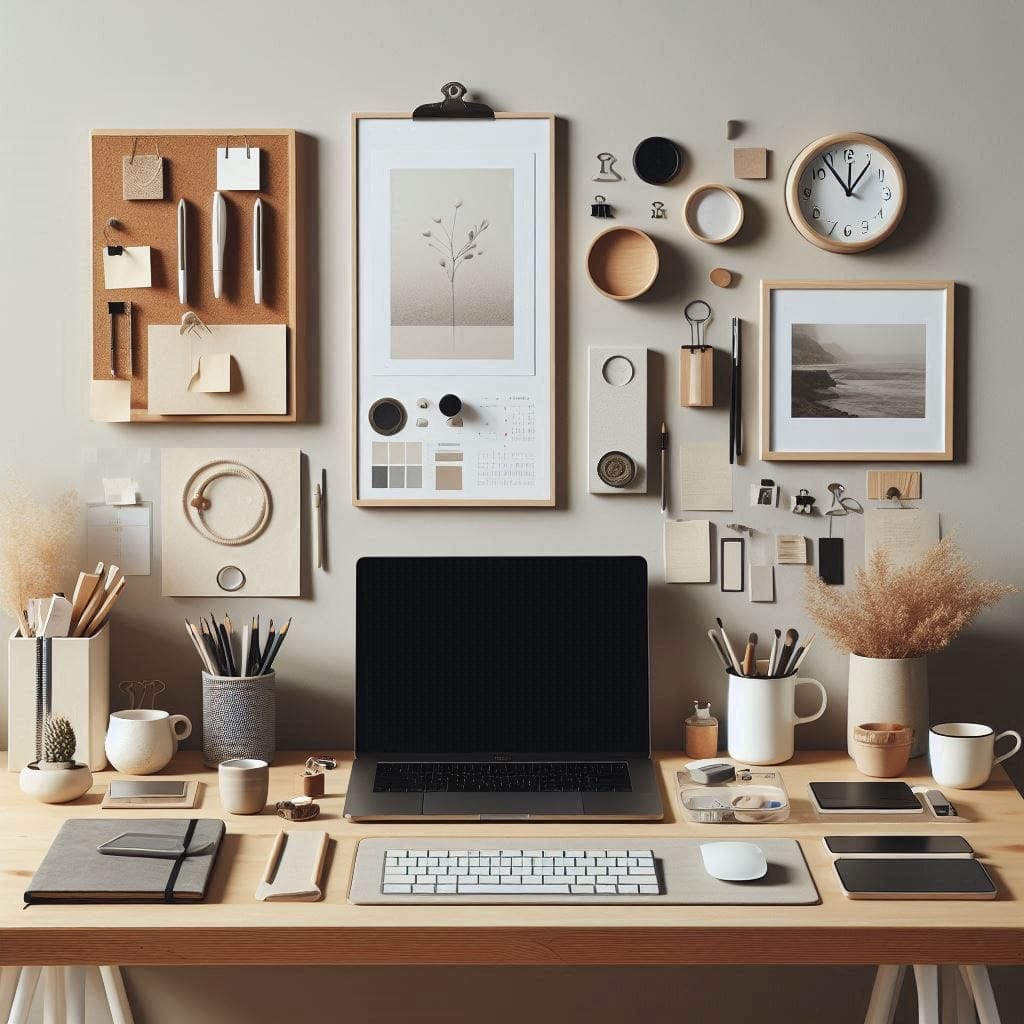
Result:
<point x="8" y="986"/>
<point x="977" y="980"/>
<point x="54" y="1008"/>
<point x="927" y="978"/>
<point x="74" y="992"/>
<point x="117" y="998"/>
<point x="24" y="994"/>
<point x="885" y="994"/>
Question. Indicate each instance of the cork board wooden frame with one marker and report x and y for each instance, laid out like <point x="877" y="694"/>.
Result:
<point x="545" y="244"/>
<point x="190" y="173"/>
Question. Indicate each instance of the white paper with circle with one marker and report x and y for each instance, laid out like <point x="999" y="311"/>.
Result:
<point x="270" y="562"/>
<point x="617" y="421"/>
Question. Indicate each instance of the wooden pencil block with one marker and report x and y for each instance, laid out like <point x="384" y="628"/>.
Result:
<point x="750" y="162"/>
<point x="696" y="377"/>
<point x="906" y="481"/>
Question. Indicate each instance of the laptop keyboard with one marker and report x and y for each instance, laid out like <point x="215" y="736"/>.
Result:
<point x="518" y="872"/>
<point x="502" y="777"/>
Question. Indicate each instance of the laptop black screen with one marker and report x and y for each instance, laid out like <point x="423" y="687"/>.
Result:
<point x="502" y="655"/>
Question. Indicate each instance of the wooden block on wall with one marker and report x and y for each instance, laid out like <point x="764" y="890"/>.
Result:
<point x="906" y="481"/>
<point x="696" y="376"/>
<point x="750" y="162"/>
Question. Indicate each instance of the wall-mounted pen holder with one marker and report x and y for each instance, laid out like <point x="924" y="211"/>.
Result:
<point x="239" y="718"/>
<point x="697" y="375"/>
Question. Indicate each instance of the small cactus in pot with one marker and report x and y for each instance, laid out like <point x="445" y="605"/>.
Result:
<point x="58" y="744"/>
<point x="57" y="777"/>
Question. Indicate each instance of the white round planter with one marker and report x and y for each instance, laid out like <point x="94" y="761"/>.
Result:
<point x="58" y="785"/>
<point x="889" y="690"/>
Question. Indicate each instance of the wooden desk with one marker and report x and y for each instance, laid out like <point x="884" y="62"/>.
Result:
<point x="232" y="928"/>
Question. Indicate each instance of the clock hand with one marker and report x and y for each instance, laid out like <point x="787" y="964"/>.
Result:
<point x="861" y="175"/>
<point x="828" y="163"/>
<point x="849" y="175"/>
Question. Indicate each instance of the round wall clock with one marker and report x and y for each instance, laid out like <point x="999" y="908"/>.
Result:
<point x="846" y="192"/>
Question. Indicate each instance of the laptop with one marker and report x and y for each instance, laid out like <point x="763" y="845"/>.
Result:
<point x="502" y="689"/>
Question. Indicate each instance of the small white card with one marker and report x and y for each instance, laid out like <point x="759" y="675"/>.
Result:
<point x="688" y="551"/>
<point x="212" y="374"/>
<point x="238" y="169"/>
<point x="762" y="583"/>
<point x="131" y="269"/>
<point x="110" y="401"/>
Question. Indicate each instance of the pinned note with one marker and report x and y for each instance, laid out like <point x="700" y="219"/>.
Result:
<point x="131" y="268"/>
<point x="706" y="477"/>
<point x="212" y="373"/>
<point x="688" y="551"/>
<point x="110" y="401"/>
<point x="238" y="169"/>
<point x="906" y="535"/>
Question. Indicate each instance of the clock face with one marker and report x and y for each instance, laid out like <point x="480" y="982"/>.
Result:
<point x="846" y="193"/>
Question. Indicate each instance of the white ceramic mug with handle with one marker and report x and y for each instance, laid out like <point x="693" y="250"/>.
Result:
<point x="762" y="717"/>
<point x="963" y="754"/>
<point x="142" y="741"/>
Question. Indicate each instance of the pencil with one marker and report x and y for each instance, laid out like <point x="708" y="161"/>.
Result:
<point x="269" y="658"/>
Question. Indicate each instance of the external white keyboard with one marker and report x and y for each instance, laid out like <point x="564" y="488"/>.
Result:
<point x="519" y="872"/>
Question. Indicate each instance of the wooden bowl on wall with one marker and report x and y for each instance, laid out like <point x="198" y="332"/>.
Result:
<point x="622" y="263"/>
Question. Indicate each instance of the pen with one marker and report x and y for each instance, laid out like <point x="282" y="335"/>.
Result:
<point x="182" y="257"/>
<point x="732" y="398"/>
<point x="318" y="509"/>
<point x="664" y="446"/>
<point x="218" y="237"/>
<point x="739" y="388"/>
<point x="257" y="252"/>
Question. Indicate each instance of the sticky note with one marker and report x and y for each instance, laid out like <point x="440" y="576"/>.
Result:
<point x="214" y="373"/>
<point x="750" y="162"/>
<point x="238" y="169"/>
<point x="131" y="269"/>
<point x="110" y="401"/>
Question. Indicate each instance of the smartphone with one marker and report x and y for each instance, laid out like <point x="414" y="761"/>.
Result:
<point x="150" y="789"/>
<point x="898" y="846"/>
<point x="150" y="844"/>
<point x="915" y="878"/>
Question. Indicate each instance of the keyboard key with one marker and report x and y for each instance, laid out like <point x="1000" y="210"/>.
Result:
<point x="447" y="887"/>
<point x="629" y="888"/>
<point x="512" y="890"/>
<point x="606" y="888"/>
<point x="423" y="888"/>
<point x="585" y="889"/>
<point x="399" y="879"/>
<point x="653" y="890"/>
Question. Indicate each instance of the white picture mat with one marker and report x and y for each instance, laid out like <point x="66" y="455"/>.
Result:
<point x="791" y="306"/>
<point x="489" y="399"/>
<point x="190" y="562"/>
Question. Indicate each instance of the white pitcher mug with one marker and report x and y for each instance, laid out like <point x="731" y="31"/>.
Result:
<point x="142" y="741"/>
<point x="962" y="754"/>
<point x="762" y="717"/>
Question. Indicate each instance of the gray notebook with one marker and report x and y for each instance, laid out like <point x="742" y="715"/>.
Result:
<point x="74" y="871"/>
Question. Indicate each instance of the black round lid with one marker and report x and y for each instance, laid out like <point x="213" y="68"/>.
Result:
<point x="387" y="416"/>
<point x="657" y="160"/>
<point x="450" y="405"/>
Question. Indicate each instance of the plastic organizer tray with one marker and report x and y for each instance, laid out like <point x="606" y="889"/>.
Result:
<point x="754" y="797"/>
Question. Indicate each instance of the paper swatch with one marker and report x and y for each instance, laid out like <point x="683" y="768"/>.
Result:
<point x="906" y="534"/>
<point x="791" y="549"/>
<point x="688" y="551"/>
<point x="762" y="583"/>
<point x="120" y="535"/>
<point x="238" y="169"/>
<point x="212" y="373"/>
<point x="110" y="401"/>
<point x="131" y="269"/>
<point x="706" y="477"/>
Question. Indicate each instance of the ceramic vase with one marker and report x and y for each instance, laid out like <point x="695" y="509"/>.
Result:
<point x="57" y="785"/>
<point x="888" y="690"/>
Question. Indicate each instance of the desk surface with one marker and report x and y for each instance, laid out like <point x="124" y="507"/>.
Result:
<point x="232" y="928"/>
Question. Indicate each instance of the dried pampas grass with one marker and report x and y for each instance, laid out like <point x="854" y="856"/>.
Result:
<point x="903" y="612"/>
<point x="37" y="541"/>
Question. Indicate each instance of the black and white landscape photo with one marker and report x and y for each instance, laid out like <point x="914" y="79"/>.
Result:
<point x="873" y="371"/>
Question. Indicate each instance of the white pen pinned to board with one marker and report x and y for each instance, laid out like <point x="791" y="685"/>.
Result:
<point x="219" y="237"/>
<point x="257" y="252"/>
<point x="182" y="255"/>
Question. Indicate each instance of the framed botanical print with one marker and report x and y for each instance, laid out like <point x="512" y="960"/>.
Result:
<point x="453" y="301"/>
<point x="857" y="370"/>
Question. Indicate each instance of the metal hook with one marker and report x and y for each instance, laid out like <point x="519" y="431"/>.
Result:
<point x="227" y="139"/>
<point x="698" y="313"/>
<point x="191" y="322"/>
<point x="893" y="494"/>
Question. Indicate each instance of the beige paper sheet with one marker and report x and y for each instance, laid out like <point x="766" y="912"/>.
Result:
<point x="212" y="373"/>
<point x="688" y="551"/>
<point x="906" y="534"/>
<point x="132" y="269"/>
<point x="110" y="401"/>
<point x="762" y="583"/>
<point x="259" y="383"/>
<point x="706" y="477"/>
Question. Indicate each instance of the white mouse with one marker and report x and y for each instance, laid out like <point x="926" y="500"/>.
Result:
<point x="734" y="862"/>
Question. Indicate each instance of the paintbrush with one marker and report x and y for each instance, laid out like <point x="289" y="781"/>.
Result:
<point x="772" y="658"/>
<point x="729" y="648"/>
<point x="719" y="650"/>
<point x="802" y="653"/>
<point x="750" y="656"/>
<point x="788" y="647"/>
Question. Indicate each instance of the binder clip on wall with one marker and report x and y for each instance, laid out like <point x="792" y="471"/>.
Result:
<point x="657" y="210"/>
<point x="802" y="503"/>
<point x="600" y="208"/>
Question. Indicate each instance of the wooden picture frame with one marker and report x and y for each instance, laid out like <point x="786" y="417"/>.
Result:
<point x="905" y="363"/>
<point x="190" y="154"/>
<point x="366" y="440"/>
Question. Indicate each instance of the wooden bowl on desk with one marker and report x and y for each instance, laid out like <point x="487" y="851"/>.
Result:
<point x="622" y="263"/>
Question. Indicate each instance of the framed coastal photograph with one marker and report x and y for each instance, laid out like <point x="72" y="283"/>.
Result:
<point x="857" y="370"/>
<point x="454" y="310"/>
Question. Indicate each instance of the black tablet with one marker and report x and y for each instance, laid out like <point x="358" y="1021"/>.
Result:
<point x="865" y="797"/>
<point x="915" y="878"/>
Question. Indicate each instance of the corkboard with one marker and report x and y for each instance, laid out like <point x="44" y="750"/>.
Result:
<point x="190" y="173"/>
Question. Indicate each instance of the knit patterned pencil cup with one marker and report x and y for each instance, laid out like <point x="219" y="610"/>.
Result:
<point x="238" y="718"/>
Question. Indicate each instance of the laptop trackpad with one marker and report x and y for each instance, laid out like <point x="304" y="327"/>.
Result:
<point x="502" y="803"/>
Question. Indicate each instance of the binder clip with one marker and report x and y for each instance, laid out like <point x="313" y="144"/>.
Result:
<point x="657" y="210"/>
<point x="607" y="172"/>
<point x="600" y="208"/>
<point x="802" y="503"/>
<point x="453" y="106"/>
<point x="115" y="224"/>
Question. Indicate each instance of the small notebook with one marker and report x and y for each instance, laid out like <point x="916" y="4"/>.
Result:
<point x="294" y="867"/>
<point x="74" y="871"/>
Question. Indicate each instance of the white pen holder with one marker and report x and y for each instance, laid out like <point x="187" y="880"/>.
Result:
<point x="239" y="718"/>
<point x="79" y="674"/>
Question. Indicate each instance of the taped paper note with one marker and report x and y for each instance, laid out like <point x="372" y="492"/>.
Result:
<point x="706" y="478"/>
<point x="119" y="490"/>
<point x="688" y="551"/>
<point x="120" y="536"/>
<point x="110" y="401"/>
<point x="238" y="169"/>
<point x="131" y="269"/>
<point x="212" y="373"/>
<point x="906" y="534"/>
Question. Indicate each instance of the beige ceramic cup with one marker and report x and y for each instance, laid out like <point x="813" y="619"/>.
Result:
<point x="882" y="749"/>
<point x="243" y="783"/>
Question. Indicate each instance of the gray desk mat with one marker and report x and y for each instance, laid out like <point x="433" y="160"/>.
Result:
<point x="787" y="883"/>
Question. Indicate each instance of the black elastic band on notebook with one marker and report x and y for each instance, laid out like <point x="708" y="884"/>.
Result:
<point x="179" y="861"/>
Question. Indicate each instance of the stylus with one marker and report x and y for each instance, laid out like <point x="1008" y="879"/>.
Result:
<point x="182" y="257"/>
<point x="257" y="252"/>
<point x="218" y="237"/>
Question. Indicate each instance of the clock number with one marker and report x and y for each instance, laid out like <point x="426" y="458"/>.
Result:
<point x="848" y="155"/>
<point x="815" y="213"/>
<point x="881" y="174"/>
<point x="864" y="226"/>
<point x="847" y="231"/>
<point x="835" y="224"/>
<point x="807" y="193"/>
<point x="886" y="193"/>
<point x="879" y="216"/>
<point x="818" y="172"/>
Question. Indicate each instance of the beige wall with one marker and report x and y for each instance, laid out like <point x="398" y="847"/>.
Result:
<point x="939" y="80"/>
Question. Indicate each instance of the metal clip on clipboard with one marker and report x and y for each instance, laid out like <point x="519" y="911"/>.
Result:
<point x="453" y="107"/>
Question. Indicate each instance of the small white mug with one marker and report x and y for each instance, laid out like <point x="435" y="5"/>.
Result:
<point x="142" y="741"/>
<point x="243" y="783"/>
<point x="962" y="754"/>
